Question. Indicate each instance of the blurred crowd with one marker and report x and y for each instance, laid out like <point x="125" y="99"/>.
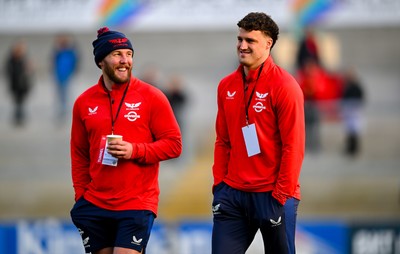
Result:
<point x="64" y="63"/>
<point x="173" y="87"/>
<point x="329" y="95"/>
<point x="19" y="71"/>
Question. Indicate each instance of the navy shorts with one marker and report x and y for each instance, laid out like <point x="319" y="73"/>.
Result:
<point x="100" y="228"/>
<point x="238" y="215"/>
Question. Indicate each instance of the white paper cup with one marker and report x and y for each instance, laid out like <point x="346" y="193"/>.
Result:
<point x="113" y="137"/>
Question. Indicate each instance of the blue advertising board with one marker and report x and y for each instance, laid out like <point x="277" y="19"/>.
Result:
<point x="375" y="238"/>
<point x="322" y="237"/>
<point x="54" y="236"/>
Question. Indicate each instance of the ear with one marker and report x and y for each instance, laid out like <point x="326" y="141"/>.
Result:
<point x="269" y="42"/>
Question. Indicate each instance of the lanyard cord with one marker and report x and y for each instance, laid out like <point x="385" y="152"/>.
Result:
<point x="119" y="107"/>
<point x="247" y="105"/>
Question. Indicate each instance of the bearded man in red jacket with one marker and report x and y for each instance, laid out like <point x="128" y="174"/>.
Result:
<point x="116" y="183"/>
<point x="259" y="147"/>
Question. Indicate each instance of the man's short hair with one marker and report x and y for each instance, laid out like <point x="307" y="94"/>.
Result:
<point x="259" y="21"/>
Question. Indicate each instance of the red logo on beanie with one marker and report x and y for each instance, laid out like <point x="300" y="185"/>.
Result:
<point x="118" y="40"/>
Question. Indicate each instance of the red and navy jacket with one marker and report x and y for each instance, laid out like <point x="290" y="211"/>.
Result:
<point x="146" y="120"/>
<point x="277" y="109"/>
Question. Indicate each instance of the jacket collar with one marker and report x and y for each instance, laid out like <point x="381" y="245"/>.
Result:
<point x="116" y="88"/>
<point x="252" y="75"/>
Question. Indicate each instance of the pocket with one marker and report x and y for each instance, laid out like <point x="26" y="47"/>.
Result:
<point x="79" y="203"/>
<point x="218" y="187"/>
<point x="276" y="202"/>
<point x="276" y="208"/>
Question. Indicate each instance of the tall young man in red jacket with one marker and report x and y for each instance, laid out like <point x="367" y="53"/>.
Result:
<point x="259" y="147"/>
<point x="116" y="183"/>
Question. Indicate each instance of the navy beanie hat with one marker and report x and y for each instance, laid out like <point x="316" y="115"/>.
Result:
<point x="108" y="41"/>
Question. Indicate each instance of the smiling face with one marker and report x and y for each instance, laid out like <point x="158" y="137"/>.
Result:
<point x="253" y="48"/>
<point x="117" y="67"/>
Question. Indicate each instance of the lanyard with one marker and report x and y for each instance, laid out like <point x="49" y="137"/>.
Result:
<point x="247" y="105"/>
<point x="113" y="120"/>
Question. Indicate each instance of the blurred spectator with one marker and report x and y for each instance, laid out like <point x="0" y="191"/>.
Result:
<point x="151" y="75"/>
<point x="65" y="65"/>
<point x="19" y="76"/>
<point x="322" y="89"/>
<point x="176" y="96"/>
<point x="308" y="49"/>
<point x="352" y="102"/>
<point x="310" y="78"/>
<point x="174" y="89"/>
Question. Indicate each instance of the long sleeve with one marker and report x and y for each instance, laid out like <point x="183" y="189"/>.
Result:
<point x="167" y="137"/>
<point x="290" y="115"/>
<point x="222" y="145"/>
<point x="80" y="157"/>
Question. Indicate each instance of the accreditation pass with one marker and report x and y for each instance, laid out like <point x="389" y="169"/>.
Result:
<point x="251" y="139"/>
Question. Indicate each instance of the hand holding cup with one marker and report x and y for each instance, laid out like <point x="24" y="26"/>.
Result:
<point x="118" y="148"/>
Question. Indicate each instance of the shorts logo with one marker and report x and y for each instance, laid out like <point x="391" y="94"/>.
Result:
<point x="215" y="209"/>
<point x="86" y="242"/>
<point x="277" y="222"/>
<point x="136" y="241"/>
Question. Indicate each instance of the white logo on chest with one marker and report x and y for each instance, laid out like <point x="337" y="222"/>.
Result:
<point x="258" y="107"/>
<point x="230" y="95"/>
<point x="93" y="111"/>
<point x="132" y="115"/>
<point x="261" y="96"/>
<point x="132" y="106"/>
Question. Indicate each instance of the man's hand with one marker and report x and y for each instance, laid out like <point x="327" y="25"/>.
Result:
<point x="120" y="149"/>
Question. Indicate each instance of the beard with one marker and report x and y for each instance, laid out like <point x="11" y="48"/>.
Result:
<point x="110" y="72"/>
<point x="245" y="59"/>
